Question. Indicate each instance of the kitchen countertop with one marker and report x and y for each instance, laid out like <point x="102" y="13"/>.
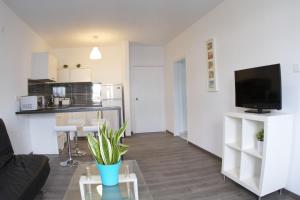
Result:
<point x="71" y="108"/>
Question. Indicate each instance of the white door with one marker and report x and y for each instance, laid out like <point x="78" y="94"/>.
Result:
<point x="148" y="99"/>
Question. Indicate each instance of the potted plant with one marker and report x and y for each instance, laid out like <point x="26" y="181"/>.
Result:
<point x="107" y="150"/>
<point x="260" y="140"/>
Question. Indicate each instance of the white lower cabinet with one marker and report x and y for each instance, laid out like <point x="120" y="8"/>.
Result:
<point x="260" y="172"/>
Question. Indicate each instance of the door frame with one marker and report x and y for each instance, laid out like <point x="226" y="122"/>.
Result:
<point x="177" y="103"/>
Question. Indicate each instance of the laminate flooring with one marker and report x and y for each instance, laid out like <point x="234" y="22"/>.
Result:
<point x="173" y="170"/>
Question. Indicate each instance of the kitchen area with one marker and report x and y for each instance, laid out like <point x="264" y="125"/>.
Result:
<point x="62" y="95"/>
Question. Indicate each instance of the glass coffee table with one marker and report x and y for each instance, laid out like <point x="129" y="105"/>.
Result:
<point x="95" y="191"/>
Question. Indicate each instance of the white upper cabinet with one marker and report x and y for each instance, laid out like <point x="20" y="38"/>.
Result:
<point x="64" y="75"/>
<point x="44" y="66"/>
<point x="80" y="75"/>
<point x="74" y="75"/>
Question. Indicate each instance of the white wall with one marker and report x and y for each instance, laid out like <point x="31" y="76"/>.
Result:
<point x="146" y="56"/>
<point x="247" y="34"/>
<point x="17" y="42"/>
<point x="126" y="84"/>
<point x="106" y="70"/>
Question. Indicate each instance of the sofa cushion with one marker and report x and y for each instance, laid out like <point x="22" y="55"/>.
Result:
<point x="23" y="177"/>
<point x="6" y="150"/>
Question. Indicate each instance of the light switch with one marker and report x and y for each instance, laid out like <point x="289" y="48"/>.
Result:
<point x="296" y="68"/>
<point x="2" y="29"/>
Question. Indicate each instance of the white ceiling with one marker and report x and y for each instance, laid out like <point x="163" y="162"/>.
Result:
<point x="73" y="23"/>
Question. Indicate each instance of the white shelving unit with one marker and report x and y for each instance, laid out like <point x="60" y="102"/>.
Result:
<point x="261" y="173"/>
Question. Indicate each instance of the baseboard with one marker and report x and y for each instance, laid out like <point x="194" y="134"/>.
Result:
<point x="196" y="146"/>
<point x="205" y="151"/>
<point x="169" y="132"/>
<point x="291" y="194"/>
<point x="136" y="134"/>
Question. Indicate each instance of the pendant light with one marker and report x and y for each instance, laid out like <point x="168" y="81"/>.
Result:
<point x="95" y="52"/>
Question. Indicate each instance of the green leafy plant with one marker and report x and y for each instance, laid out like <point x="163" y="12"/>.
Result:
<point x="260" y="135"/>
<point x="107" y="148"/>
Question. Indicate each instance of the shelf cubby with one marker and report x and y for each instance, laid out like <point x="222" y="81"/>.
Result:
<point x="235" y="146"/>
<point x="253" y="152"/>
<point x="250" y="173"/>
<point x="232" y="165"/>
<point x="250" y="128"/>
<point x="233" y="129"/>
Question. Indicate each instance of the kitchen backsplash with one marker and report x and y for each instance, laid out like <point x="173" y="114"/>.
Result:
<point x="81" y="93"/>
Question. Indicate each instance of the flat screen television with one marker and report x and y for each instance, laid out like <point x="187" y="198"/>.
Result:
<point x="258" y="88"/>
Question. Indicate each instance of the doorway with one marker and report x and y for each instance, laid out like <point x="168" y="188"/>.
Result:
<point x="148" y="99"/>
<point x="180" y="92"/>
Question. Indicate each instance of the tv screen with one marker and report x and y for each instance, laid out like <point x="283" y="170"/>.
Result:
<point x="258" y="87"/>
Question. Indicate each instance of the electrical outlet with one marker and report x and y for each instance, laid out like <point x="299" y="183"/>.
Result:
<point x="296" y="68"/>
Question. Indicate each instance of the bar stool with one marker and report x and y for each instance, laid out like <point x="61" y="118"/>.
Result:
<point x="67" y="129"/>
<point x="94" y="127"/>
<point x="91" y="129"/>
<point x="77" y="152"/>
<point x="76" y="119"/>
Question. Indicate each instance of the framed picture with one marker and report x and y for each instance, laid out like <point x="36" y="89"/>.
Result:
<point x="211" y="75"/>
<point x="210" y="55"/>
<point x="211" y="84"/>
<point x="211" y="66"/>
<point x="209" y="45"/>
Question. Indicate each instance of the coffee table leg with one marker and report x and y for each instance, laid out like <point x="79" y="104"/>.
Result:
<point x="136" y="192"/>
<point x="82" y="191"/>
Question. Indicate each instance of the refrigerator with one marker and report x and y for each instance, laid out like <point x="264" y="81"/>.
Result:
<point x="112" y="95"/>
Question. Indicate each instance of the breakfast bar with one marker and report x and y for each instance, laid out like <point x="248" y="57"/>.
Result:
<point x="42" y="122"/>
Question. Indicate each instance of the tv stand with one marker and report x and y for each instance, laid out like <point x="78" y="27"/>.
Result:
<point x="258" y="111"/>
<point x="261" y="172"/>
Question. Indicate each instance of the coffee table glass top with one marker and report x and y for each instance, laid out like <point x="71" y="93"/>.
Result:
<point x="123" y="191"/>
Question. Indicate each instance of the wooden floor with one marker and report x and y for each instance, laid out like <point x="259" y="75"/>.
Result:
<point x="172" y="169"/>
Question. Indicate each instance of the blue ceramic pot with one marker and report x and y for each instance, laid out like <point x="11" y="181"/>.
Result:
<point x="109" y="173"/>
<point x="111" y="193"/>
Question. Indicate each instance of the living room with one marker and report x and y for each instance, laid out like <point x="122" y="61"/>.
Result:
<point x="243" y="34"/>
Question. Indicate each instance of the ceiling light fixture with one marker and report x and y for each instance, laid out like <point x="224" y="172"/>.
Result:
<point x="95" y="52"/>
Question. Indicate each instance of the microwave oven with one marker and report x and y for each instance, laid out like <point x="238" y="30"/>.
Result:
<point x="32" y="102"/>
